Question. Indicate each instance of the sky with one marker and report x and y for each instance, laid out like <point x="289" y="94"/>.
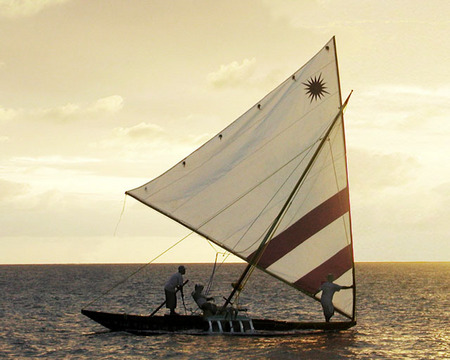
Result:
<point x="99" y="97"/>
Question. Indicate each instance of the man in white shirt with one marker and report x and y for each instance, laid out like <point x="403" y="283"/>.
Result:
<point x="328" y="289"/>
<point x="175" y="282"/>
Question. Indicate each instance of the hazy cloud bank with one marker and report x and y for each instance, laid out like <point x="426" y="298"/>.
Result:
<point x="25" y="8"/>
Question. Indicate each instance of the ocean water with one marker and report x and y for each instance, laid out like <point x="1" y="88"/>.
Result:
<point x="403" y="313"/>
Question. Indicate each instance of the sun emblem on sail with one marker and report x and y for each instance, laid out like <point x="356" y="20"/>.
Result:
<point x="315" y="88"/>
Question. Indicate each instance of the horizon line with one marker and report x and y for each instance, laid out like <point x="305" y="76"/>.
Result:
<point x="200" y="263"/>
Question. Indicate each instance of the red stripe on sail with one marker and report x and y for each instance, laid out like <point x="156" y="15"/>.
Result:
<point x="337" y="265"/>
<point x="310" y="224"/>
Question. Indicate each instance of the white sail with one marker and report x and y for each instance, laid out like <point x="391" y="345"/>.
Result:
<point x="232" y="188"/>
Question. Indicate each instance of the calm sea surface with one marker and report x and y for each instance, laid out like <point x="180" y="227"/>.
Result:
<point x="403" y="313"/>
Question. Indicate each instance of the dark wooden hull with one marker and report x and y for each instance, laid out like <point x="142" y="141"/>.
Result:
<point x="195" y="324"/>
<point x="130" y="323"/>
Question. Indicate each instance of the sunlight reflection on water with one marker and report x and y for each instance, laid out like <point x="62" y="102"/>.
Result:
<point x="402" y="313"/>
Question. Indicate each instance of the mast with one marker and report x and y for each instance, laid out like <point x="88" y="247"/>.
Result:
<point x="346" y="170"/>
<point x="277" y="220"/>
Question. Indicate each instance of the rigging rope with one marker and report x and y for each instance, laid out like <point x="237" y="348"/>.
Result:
<point x="337" y="186"/>
<point x="208" y="287"/>
<point x="226" y="254"/>
<point x="121" y="214"/>
<point x="136" y="271"/>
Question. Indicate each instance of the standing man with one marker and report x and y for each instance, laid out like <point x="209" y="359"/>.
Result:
<point x="328" y="289"/>
<point x="174" y="283"/>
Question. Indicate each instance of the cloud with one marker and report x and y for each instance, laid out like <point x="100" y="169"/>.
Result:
<point x="7" y="114"/>
<point x="10" y="189"/>
<point x="52" y="161"/>
<point x="140" y="131"/>
<point x="370" y="173"/>
<point x="149" y="136"/>
<point x="404" y="220"/>
<point x="105" y="106"/>
<point x="397" y="184"/>
<point x="232" y="74"/>
<point x="391" y="119"/>
<point x="111" y="104"/>
<point x="26" y="8"/>
<point x="140" y="136"/>
<point x="54" y="212"/>
<point x="326" y="15"/>
<point x="396" y="109"/>
<point x="61" y="112"/>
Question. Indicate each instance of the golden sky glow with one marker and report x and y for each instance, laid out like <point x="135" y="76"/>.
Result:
<point x="98" y="97"/>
